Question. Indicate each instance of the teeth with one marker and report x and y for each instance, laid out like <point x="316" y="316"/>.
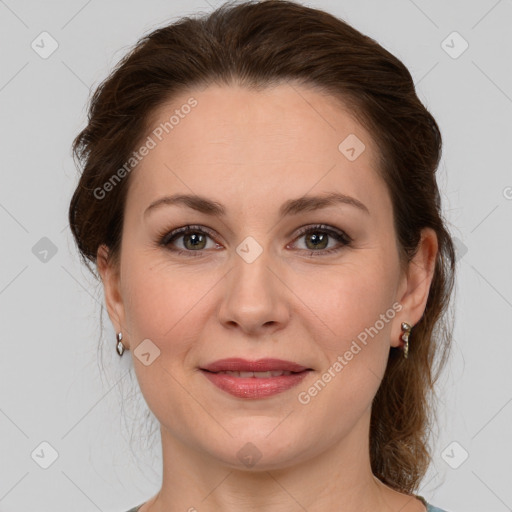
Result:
<point x="258" y="375"/>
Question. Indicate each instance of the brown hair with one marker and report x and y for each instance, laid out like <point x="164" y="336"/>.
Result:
<point x="257" y="44"/>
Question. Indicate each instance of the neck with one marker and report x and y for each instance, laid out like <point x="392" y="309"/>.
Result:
<point x="339" y="479"/>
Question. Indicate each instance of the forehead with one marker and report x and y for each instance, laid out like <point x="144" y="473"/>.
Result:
<point x="289" y="138"/>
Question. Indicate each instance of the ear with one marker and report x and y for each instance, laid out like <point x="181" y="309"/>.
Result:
<point x="111" y="281"/>
<point x="415" y="284"/>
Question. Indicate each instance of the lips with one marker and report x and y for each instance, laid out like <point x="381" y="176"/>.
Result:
<point x="255" y="379"/>
<point x="261" y="365"/>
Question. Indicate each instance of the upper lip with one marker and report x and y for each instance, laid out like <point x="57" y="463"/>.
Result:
<point x="260" y="365"/>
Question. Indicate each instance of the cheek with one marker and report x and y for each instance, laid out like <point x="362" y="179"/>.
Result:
<point x="353" y="311"/>
<point x="349" y="300"/>
<point x="161" y="306"/>
<point x="162" y="299"/>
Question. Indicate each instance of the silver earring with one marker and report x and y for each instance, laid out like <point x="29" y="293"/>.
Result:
<point x="405" y="337"/>
<point x="119" y="346"/>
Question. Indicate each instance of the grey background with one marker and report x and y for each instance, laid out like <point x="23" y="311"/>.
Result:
<point x="52" y="389"/>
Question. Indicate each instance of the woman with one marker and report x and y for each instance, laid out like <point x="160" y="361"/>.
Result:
<point x="259" y="199"/>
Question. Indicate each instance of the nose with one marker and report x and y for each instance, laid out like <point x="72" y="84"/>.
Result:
<point x="255" y="298"/>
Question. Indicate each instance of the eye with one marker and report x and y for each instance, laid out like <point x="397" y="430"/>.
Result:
<point x="194" y="239"/>
<point x="317" y="238"/>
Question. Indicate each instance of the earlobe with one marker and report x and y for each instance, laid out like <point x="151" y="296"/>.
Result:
<point x="418" y="280"/>
<point x="110" y="278"/>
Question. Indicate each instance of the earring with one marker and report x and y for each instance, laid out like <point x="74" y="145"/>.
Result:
<point x="405" y="337"/>
<point x="119" y="346"/>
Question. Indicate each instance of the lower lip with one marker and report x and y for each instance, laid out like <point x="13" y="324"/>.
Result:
<point x="254" y="387"/>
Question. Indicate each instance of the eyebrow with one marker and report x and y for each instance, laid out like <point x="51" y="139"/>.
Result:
<point x="290" y="207"/>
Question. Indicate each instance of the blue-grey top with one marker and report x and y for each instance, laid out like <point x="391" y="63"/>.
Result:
<point x="431" y="508"/>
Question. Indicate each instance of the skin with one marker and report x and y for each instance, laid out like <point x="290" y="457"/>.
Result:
<point x="251" y="151"/>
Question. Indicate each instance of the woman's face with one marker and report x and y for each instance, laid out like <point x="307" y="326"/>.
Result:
<point x="247" y="284"/>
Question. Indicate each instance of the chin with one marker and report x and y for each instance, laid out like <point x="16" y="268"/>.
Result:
<point x="259" y="451"/>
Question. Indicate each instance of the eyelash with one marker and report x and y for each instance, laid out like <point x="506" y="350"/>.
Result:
<point x="167" y="237"/>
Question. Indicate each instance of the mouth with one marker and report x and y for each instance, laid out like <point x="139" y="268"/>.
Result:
<point x="255" y="384"/>
<point x="262" y="368"/>
<point x="257" y="375"/>
<point x="256" y="379"/>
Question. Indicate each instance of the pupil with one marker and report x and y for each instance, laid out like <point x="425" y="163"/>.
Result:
<point x="318" y="239"/>
<point x="194" y="238"/>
